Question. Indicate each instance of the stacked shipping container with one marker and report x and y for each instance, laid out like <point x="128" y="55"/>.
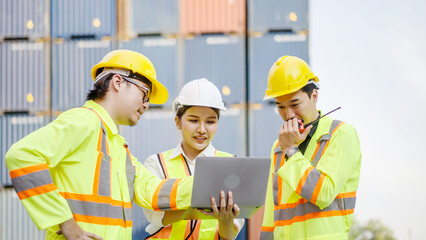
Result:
<point x="24" y="97"/>
<point x="232" y="43"/>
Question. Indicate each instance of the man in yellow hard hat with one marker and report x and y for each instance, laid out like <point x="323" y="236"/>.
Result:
<point x="315" y="171"/>
<point x="76" y="176"/>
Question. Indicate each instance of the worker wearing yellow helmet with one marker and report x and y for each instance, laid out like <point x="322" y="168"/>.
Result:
<point x="197" y="107"/>
<point x="315" y="171"/>
<point x="76" y="176"/>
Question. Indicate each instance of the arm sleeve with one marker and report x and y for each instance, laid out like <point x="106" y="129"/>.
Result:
<point x="154" y="217"/>
<point x="268" y="215"/>
<point x="320" y="185"/>
<point x="156" y="194"/>
<point x="30" y="160"/>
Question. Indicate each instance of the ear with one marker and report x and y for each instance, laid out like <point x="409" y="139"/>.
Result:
<point x="178" y="123"/>
<point x="315" y="95"/>
<point x="116" y="83"/>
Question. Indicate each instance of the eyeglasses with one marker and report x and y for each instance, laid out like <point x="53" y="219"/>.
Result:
<point x="144" y="90"/>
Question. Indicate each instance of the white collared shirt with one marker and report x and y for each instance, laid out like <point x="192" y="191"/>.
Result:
<point x="152" y="164"/>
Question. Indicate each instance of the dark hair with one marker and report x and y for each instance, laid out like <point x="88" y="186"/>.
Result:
<point x="309" y="88"/>
<point x="183" y="109"/>
<point x="100" y="88"/>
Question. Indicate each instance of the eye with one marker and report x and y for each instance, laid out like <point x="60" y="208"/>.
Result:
<point x="211" y="122"/>
<point x="280" y="107"/>
<point x="295" y="105"/>
<point x="193" y="120"/>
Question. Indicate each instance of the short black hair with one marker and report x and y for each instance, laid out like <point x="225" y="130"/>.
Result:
<point x="309" y="88"/>
<point x="183" y="109"/>
<point x="100" y="88"/>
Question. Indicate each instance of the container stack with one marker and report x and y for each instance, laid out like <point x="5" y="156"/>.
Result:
<point x="276" y="28"/>
<point x="24" y="97"/>
<point x="82" y="32"/>
<point x="48" y="48"/>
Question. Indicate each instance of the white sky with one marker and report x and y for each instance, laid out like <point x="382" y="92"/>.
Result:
<point x="370" y="57"/>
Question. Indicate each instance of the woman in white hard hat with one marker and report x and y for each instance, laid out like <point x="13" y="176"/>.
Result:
<point x="197" y="114"/>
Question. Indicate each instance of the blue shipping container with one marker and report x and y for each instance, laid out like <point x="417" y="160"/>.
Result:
<point x="148" y="16"/>
<point x="72" y="62"/>
<point x="83" y="18"/>
<point x="264" y="51"/>
<point x="264" y="125"/>
<point x="277" y="14"/>
<point x="24" y="18"/>
<point x="231" y="133"/>
<point x="15" y="222"/>
<point x="163" y="54"/>
<point x="12" y="128"/>
<point x="220" y="59"/>
<point x="155" y="132"/>
<point x="24" y="76"/>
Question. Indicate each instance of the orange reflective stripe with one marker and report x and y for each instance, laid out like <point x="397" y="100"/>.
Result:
<point x="163" y="163"/>
<point x="184" y="164"/>
<point x="173" y="194"/>
<point x="99" y="140"/>
<point x="37" y="191"/>
<point x="346" y="195"/>
<point x="156" y="194"/>
<point x="317" y="189"/>
<point x="97" y="173"/>
<point x="96" y="199"/>
<point x="26" y="170"/>
<point x="303" y="180"/>
<point x="313" y="216"/>
<point x="164" y="233"/>
<point x="196" y="231"/>
<point x="267" y="229"/>
<point x="102" y="220"/>
<point x="291" y="205"/>
<point x="280" y="189"/>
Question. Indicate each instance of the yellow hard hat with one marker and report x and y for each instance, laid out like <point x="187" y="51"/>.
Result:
<point x="287" y="75"/>
<point x="137" y="64"/>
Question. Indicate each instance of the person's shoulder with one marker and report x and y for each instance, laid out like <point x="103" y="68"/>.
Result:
<point x="82" y="117"/>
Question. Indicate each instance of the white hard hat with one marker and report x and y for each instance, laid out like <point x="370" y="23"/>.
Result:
<point x="199" y="92"/>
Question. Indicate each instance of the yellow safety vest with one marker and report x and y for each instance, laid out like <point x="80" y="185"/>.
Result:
<point x="312" y="196"/>
<point x="78" y="166"/>
<point x="203" y="229"/>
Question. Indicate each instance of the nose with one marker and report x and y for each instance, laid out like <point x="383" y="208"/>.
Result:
<point x="201" y="128"/>
<point x="289" y="114"/>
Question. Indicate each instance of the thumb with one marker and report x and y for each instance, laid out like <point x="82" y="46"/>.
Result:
<point x="306" y="131"/>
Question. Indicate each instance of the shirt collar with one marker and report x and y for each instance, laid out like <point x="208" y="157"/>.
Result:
<point x="102" y="112"/>
<point x="209" y="151"/>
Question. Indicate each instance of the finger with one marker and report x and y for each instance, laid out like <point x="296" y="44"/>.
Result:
<point x="230" y="202"/>
<point x="306" y="131"/>
<point x="93" y="236"/>
<point x="236" y="210"/>
<point x="214" y="205"/>
<point x="209" y="213"/>
<point x="222" y="201"/>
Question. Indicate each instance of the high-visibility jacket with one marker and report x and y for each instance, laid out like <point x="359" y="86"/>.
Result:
<point x="79" y="166"/>
<point x="313" y="195"/>
<point x="176" y="167"/>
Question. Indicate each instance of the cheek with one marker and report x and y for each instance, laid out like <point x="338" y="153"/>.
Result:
<point x="212" y="129"/>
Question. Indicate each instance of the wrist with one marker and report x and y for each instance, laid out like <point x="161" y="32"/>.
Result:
<point x="290" y="152"/>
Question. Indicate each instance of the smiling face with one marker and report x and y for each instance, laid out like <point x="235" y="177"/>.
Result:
<point x="298" y="105"/>
<point x="198" y="125"/>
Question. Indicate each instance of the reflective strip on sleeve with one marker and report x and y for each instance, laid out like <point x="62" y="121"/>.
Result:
<point x="303" y="210"/>
<point x="312" y="186"/>
<point x="165" y="196"/>
<point x="32" y="181"/>
<point x="276" y="179"/>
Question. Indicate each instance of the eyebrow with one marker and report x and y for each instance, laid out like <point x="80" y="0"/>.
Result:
<point x="195" y="116"/>
<point x="292" y="101"/>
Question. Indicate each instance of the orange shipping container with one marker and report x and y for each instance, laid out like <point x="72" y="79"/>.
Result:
<point x="212" y="16"/>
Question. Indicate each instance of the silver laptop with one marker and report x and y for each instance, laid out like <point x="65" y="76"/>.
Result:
<point x="246" y="177"/>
